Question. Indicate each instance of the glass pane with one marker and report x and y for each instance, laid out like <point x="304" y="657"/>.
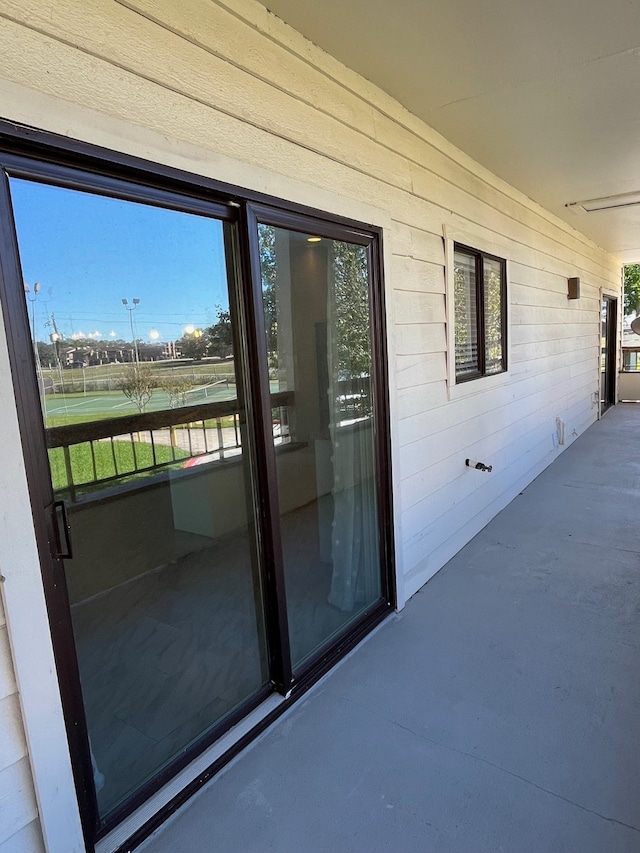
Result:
<point x="317" y="316"/>
<point x="132" y="327"/>
<point x="466" y="314"/>
<point x="493" y="316"/>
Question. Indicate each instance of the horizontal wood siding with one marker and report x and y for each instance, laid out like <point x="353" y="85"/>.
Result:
<point x="19" y="830"/>
<point x="227" y="90"/>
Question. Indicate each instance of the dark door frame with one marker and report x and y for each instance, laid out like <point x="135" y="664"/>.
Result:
<point x="610" y="351"/>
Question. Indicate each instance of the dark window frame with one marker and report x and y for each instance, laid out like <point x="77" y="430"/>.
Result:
<point x="480" y="257"/>
<point x="41" y="156"/>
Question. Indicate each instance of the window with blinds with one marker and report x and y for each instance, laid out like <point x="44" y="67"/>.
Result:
<point x="480" y="313"/>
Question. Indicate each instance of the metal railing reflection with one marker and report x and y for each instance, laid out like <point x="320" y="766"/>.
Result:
<point x="94" y="454"/>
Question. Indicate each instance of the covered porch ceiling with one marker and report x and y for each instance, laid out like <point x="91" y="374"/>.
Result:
<point x="546" y="94"/>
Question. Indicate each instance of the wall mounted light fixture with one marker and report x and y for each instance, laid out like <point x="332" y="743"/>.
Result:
<point x="573" y="288"/>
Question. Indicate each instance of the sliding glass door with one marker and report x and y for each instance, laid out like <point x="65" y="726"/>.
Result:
<point x="202" y="392"/>
<point x="133" y="326"/>
<point x="317" y="316"/>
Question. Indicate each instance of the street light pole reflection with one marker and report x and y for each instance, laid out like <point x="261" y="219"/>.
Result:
<point x="131" y="309"/>
<point x="36" y="352"/>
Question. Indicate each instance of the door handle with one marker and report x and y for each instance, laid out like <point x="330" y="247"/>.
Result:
<point x="63" y="531"/>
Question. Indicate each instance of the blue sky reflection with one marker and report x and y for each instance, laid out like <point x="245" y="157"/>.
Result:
<point x="88" y="252"/>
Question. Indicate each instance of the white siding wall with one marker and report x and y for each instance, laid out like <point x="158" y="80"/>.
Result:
<point x="19" y="829"/>
<point x="226" y="90"/>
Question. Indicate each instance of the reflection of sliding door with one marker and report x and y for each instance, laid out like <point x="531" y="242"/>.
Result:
<point x="608" y="324"/>
<point x="201" y="388"/>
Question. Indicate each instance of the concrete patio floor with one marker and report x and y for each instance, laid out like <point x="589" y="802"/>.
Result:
<point x="500" y="711"/>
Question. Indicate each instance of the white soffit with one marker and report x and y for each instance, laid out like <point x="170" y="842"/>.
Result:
<point x="545" y="94"/>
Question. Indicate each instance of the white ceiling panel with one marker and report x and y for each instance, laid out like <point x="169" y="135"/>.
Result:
<point x="545" y="94"/>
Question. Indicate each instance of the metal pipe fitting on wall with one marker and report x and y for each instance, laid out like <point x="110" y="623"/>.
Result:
<point x="479" y="466"/>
